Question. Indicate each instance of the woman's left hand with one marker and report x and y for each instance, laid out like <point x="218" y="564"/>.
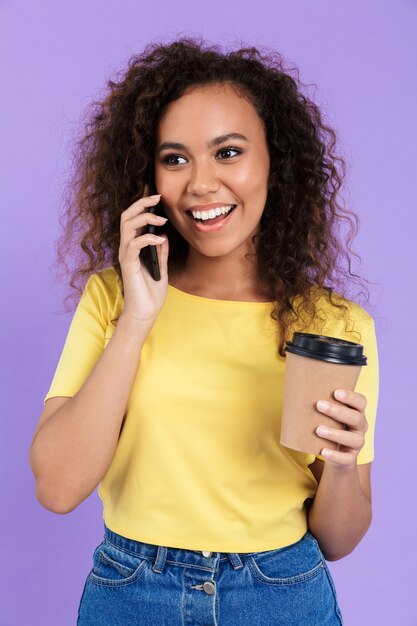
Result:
<point x="350" y="411"/>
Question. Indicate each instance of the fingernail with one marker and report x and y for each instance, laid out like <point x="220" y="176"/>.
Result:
<point x="326" y="453"/>
<point x="340" y="394"/>
<point x="156" y="195"/>
<point x="322" y="404"/>
<point x="322" y="430"/>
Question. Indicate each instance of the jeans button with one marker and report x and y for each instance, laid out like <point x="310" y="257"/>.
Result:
<point x="209" y="587"/>
<point x="206" y="553"/>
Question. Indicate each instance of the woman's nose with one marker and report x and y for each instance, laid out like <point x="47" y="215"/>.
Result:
<point x="203" y="179"/>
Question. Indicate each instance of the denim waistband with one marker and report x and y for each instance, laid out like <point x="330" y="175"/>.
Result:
<point x="178" y="556"/>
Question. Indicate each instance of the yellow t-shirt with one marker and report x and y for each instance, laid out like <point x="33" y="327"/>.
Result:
<point x="198" y="464"/>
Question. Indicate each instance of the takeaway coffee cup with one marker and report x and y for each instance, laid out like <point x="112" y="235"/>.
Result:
<point x="316" y="366"/>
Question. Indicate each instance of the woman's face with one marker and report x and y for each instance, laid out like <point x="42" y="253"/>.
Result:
<point x="197" y="165"/>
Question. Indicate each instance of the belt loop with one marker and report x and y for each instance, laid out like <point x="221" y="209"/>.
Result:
<point x="161" y="557"/>
<point x="235" y="560"/>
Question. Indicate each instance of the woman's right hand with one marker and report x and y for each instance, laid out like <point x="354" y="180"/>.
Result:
<point x="143" y="296"/>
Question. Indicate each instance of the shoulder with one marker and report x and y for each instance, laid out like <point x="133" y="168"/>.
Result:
<point x="107" y="279"/>
<point x="104" y="287"/>
<point x="338" y="316"/>
<point x="338" y="306"/>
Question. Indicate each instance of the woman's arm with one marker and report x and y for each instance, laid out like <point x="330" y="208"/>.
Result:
<point x="73" y="448"/>
<point x="341" y="512"/>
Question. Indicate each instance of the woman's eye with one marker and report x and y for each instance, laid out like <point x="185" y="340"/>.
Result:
<point x="225" y="154"/>
<point x="228" y="151"/>
<point x="171" y="159"/>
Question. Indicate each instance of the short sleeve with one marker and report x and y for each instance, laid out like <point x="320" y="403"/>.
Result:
<point x="86" y="336"/>
<point x="368" y="385"/>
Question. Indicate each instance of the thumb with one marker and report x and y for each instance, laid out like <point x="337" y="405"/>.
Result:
<point x="163" y="252"/>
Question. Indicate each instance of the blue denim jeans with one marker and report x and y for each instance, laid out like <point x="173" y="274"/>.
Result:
<point x="141" y="584"/>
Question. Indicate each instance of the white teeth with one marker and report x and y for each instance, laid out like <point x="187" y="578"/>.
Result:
<point x="212" y="213"/>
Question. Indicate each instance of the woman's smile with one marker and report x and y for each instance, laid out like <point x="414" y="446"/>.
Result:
<point x="212" y="220"/>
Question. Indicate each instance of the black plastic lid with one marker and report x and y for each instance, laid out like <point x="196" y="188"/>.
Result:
<point x="330" y="349"/>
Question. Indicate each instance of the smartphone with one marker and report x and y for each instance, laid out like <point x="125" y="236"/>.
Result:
<point x="149" y="254"/>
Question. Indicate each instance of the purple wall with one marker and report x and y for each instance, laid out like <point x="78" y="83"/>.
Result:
<point x="55" y="57"/>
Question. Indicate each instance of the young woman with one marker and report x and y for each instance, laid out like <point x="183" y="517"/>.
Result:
<point x="168" y="393"/>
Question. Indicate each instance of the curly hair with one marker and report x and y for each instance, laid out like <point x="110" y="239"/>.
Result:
<point x="300" y="252"/>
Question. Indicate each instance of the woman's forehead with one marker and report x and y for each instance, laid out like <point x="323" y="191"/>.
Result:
<point x="210" y="110"/>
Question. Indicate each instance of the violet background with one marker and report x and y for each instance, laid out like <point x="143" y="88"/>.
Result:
<point x="55" y="58"/>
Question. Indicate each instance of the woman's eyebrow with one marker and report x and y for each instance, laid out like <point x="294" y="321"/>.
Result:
<point x="173" y="145"/>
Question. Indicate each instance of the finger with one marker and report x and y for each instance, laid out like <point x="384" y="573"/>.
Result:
<point x="162" y="251"/>
<point x="346" y="438"/>
<point x="140" y="205"/>
<point x="138" y="221"/>
<point x="339" y="458"/>
<point x="341" y="413"/>
<point x="351" y="398"/>
<point x="136" y="227"/>
<point x="134" y="246"/>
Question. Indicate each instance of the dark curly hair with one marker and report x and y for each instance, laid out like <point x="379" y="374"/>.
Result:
<point x="300" y="251"/>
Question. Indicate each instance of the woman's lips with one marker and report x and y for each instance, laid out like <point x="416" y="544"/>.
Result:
<point x="213" y="225"/>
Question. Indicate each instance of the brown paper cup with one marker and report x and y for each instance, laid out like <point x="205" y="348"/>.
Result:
<point x="306" y="381"/>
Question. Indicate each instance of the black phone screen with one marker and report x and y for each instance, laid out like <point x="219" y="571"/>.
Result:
<point x="149" y="255"/>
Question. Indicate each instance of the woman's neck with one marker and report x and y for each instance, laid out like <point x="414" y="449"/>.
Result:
<point x="220" y="281"/>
